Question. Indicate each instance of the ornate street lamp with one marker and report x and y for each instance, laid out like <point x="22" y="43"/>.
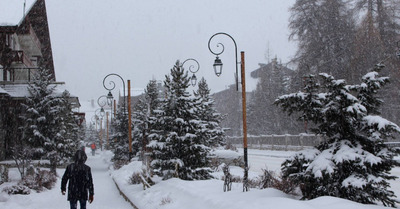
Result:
<point x="218" y="71"/>
<point x="217" y="66"/>
<point x="100" y="112"/>
<point x="103" y="101"/>
<point x="110" y="96"/>
<point x="112" y="84"/>
<point x="193" y="79"/>
<point x="218" y="62"/>
<point x="94" y="121"/>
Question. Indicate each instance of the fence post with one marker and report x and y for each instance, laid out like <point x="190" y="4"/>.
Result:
<point x="301" y="141"/>
<point x="286" y="141"/>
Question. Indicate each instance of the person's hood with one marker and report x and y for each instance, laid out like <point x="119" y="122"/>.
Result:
<point x="80" y="156"/>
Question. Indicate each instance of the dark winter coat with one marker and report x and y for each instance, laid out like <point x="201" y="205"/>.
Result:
<point x="79" y="177"/>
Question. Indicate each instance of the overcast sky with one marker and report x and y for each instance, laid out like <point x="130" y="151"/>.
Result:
<point x="141" y="40"/>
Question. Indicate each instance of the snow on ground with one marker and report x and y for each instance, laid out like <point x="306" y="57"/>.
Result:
<point x="175" y="193"/>
<point x="106" y="194"/>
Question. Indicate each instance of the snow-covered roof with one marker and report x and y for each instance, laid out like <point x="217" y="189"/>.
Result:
<point x="12" y="11"/>
<point x="2" y="91"/>
<point x="21" y="90"/>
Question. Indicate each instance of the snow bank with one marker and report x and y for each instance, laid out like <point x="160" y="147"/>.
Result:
<point x="175" y="193"/>
<point x="226" y="154"/>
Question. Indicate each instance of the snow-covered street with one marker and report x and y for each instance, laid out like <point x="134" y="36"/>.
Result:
<point x="106" y="193"/>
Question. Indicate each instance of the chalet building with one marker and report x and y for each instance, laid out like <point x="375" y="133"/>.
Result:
<point x="25" y="49"/>
<point x="229" y="103"/>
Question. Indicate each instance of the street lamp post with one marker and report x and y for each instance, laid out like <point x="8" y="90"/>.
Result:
<point x="218" y="71"/>
<point x="103" y="102"/>
<point x="94" y="121"/>
<point x="110" y="96"/>
<point x="101" y="113"/>
<point x="193" y="70"/>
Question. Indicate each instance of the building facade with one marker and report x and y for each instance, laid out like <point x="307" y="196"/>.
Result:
<point x="25" y="49"/>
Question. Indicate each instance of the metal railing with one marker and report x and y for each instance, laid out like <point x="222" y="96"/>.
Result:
<point x="278" y="142"/>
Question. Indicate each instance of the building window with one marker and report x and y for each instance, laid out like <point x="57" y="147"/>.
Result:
<point x="9" y="40"/>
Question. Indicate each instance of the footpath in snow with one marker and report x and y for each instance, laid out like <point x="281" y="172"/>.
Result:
<point x="106" y="193"/>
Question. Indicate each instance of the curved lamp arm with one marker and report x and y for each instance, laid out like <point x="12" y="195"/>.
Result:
<point x="193" y="79"/>
<point x="192" y="66"/>
<point x="218" y="62"/>
<point x="102" y="102"/>
<point x="112" y="84"/>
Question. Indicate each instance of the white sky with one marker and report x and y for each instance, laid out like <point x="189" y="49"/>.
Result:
<point x="141" y="40"/>
<point x="12" y="11"/>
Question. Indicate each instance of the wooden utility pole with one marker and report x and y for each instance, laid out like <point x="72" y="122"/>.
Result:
<point x="101" y="134"/>
<point x="246" y="167"/>
<point x="129" y="120"/>
<point x="115" y="108"/>
<point x="244" y="108"/>
<point x="108" y="137"/>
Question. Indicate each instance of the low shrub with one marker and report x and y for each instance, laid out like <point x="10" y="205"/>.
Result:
<point x="141" y="178"/>
<point x="39" y="180"/>
<point x="17" y="189"/>
<point x="270" y="180"/>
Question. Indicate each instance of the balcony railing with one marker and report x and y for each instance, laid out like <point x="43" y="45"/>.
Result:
<point x="20" y="75"/>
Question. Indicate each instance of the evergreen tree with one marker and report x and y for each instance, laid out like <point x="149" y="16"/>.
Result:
<point x="211" y="133"/>
<point x="144" y="112"/>
<point x="91" y="135"/>
<point x="263" y="117"/>
<point x="120" y="144"/>
<point x="50" y="127"/>
<point x="68" y="137"/>
<point x="383" y="14"/>
<point x="324" y="30"/>
<point x="352" y="162"/>
<point x="375" y="41"/>
<point x="176" y="149"/>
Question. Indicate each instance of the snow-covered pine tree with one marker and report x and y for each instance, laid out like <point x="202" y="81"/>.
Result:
<point x="211" y="133"/>
<point x="67" y="145"/>
<point x="143" y="115"/>
<point x="176" y="149"/>
<point x="120" y="141"/>
<point x="352" y="162"/>
<point x="91" y="134"/>
<point x="139" y="121"/>
<point x="49" y="128"/>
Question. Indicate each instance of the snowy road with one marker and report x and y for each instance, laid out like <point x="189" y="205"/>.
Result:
<point x="266" y="159"/>
<point x="106" y="193"/>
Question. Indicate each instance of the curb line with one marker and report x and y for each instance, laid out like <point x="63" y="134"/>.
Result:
<point x="124" y="196"/>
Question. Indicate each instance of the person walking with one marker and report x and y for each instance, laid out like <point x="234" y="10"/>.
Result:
<point x="93" y="146"/>
<point x="79" y="176"/>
